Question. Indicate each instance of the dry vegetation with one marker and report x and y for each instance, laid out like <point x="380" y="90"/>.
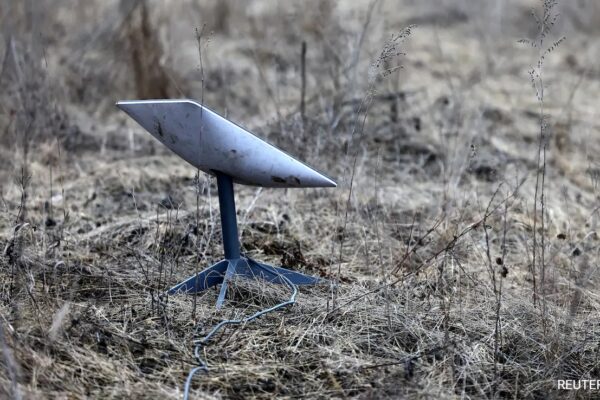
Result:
<point x="461" y="243"/>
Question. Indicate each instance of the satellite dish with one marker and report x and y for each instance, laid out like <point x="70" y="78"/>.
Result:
<point x="212" y="143"/>
<point x="219" y="147"/>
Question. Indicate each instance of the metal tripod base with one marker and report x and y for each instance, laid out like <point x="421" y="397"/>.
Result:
<point x="223" y="271"/>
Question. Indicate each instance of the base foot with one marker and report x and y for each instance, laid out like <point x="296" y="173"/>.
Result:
<point x="225" y="270"/>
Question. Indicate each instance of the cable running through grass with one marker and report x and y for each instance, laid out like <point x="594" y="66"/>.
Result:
<point x="200" y="344"/>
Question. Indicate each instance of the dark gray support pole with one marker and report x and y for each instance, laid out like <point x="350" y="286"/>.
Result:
<point x="231" y="241"/>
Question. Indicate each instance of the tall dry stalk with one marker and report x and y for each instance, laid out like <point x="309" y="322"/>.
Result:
<point x="381" y="68"/>
<point x="545" y="24"/>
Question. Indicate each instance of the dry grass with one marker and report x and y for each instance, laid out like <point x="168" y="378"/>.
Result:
<point x="429" y="236"/>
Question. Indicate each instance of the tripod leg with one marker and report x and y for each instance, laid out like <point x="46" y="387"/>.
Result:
<point x="211" y="276"/>
<point x="231" y="270"/>
<point x="273" y="274"/>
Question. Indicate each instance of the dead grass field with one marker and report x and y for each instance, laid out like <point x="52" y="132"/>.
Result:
<point x="451" y="276"/>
